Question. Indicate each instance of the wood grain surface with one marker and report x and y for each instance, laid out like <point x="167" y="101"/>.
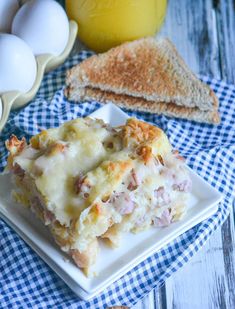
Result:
<point x="204" y="34"/>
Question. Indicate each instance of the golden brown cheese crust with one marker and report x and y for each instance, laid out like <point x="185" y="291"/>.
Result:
<point x="145" y="153"/>
<point x="15" y="147"/>
<point x="139" y="132"/>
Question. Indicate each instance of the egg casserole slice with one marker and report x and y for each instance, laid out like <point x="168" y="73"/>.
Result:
<point x="88" y="181"/>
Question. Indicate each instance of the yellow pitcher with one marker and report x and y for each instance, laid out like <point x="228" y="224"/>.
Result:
<point x="103" y="24"/>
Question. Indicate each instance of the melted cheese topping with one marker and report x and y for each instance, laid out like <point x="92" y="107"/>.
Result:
<point x="57" y="156"/>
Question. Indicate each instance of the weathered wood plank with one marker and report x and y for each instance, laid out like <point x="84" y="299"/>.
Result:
<point x="228" y="241"/>
<point x="146" y="303"/>
<point x="155" y="300"/>
<point x="191" y="25"/>
<point x="160" y="298"/>
<point x="225" y="15"/>
<point x="201" y="283"/>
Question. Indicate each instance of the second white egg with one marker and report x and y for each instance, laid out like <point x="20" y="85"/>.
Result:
<point x="43" y="25"/>
<point x="18" y="67"/>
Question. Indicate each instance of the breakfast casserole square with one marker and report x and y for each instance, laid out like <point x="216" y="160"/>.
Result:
<point x="90" y="182"/>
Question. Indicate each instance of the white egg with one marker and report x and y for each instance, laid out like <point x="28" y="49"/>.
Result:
<point x="18" y="67"/>
<point x="43" y="25"/>
<point x="8" y="9"/>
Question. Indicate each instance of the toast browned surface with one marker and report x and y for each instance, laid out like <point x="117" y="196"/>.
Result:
<point x="146" y="74"/>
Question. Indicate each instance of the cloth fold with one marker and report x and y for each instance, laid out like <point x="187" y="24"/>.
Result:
<point x="25" y="280"/>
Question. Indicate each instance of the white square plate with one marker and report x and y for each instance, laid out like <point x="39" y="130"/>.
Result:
<point x="134" y="248"/>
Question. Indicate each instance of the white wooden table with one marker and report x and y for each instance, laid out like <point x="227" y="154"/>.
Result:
<point x="204" y="34"/>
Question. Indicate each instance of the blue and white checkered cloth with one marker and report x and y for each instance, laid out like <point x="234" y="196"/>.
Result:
<point x="27" y="282"/>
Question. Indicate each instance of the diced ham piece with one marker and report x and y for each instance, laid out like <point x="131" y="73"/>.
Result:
<point x="122" y="203"/>
<point x="165" y="219"/>
<point x="184" y="186"/>
<point x="49" y="217"/>
<point x="178" y="156"/>
<point x="134" y="182"/>
<point x="18" y="171"/>
<point x="36" y="205"/>
<point x="163" y="198"/>
<point x="141" y="221"/>
<point x="78" y="184"/>
<point x="82" y="186"/>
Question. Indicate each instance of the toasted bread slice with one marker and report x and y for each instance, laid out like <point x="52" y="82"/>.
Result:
<point x="133" y="103"/>
<point x="148" y="69"/>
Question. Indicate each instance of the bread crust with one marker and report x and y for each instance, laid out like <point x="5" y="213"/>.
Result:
<point x="129" y="102"/>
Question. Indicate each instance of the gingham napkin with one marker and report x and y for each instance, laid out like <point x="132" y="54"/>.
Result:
<point x="27" y="282"/>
